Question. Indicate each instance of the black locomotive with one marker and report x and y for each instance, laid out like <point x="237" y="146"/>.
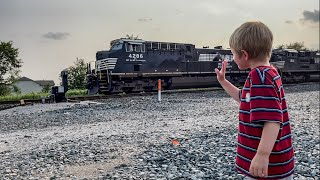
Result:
<point x="136" y="65"/>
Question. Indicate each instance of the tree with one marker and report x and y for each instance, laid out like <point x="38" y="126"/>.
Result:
<point x="77" y="75"/>
<point x="16" y="89"/>
<point x="46" y="88"/>
<point x="299" y="46"/>
<point x="9" y="67"/>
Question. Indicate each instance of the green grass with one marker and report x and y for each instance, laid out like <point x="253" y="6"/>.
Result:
<point x="76" y="92"/>
<point x="70" y="93"/>
<point x="25" y="96"/>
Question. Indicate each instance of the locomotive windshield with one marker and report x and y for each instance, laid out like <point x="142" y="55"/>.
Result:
<point x="116" y="46"/>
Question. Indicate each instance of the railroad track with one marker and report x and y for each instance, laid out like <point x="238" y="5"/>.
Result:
<point x="95" y="97"/>
<point x="10" y="104"/>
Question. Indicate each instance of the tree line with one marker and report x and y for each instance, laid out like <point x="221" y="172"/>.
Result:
<point x="10" y="65"/>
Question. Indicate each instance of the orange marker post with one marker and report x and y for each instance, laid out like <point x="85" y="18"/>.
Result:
<point x="159" y="90"/>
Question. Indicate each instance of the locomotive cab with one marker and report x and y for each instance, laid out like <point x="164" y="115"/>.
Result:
<point x="134" y="55"/>
<point x="129" y="53"/>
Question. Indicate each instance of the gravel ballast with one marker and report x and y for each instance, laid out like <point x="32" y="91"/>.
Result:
<point x="132" y="137"/>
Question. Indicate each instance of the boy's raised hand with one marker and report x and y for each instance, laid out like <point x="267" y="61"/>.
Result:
<point x="221" y="74"/>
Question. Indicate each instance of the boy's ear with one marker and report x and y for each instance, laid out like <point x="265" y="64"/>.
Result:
<point x="245" y="54"/>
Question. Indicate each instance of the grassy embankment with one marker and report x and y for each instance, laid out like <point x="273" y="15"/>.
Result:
<point x="40" y="95"/>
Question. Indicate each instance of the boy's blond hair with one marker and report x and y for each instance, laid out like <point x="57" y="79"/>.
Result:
<point x="253" y="37"/>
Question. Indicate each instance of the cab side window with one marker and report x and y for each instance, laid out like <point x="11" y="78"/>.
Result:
<point x="135" y="47"/>
<point x="143" y="47"/>
<point x="129" y="47"/>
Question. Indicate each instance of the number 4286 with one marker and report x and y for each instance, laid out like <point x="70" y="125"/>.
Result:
<point x="136" y="56"/>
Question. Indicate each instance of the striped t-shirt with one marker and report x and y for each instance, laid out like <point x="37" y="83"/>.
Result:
<point x="263" y="100"/>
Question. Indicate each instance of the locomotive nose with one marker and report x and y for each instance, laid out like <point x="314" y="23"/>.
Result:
<point x="102" y="55"/>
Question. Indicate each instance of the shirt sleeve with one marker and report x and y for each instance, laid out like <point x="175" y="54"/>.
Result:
<point x="265" y="101"/>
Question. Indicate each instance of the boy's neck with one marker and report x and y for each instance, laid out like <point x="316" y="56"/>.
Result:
<point x="253" y="63"/>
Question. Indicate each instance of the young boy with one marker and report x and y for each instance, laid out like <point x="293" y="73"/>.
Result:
<point x="264" y="149"/>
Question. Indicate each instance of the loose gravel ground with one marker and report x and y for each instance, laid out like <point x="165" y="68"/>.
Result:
<point x="131" y="138"/>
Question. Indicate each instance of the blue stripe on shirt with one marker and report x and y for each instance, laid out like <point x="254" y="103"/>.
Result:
<point x="261" y="86"/>
<point x="270" y="164"/>
<point x="244" y="112"/>
<point x="273" y="153"/>
<point x="258" y="138"/>
<point x="277" y="77"/>
<point x="251" y="124"/>
<point x="262" y="75"/>
<point x="265" y="110"/>
<point x="264" y="98"/>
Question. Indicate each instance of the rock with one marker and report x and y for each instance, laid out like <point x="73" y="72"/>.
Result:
<point x="137" y="134"/>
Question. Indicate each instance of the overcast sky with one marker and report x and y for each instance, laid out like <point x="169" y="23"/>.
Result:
<point x="52" y="34"/>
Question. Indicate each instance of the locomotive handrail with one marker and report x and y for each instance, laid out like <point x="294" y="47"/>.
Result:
<point x="89" y="70"/>
<point x="106" y="64"/>
<point x="278" y="64"/>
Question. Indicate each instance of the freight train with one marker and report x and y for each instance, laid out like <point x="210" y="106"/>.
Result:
<point x="136" y="65"/>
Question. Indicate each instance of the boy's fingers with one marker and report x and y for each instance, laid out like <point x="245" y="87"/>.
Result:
<point x="256" y="172"/>
<point x="217" y="71"/>
<point x="265" y="172"/>
<point x="224" y="66"/>
<point x="251" y="170"/>
<point x="260" y="173"/>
